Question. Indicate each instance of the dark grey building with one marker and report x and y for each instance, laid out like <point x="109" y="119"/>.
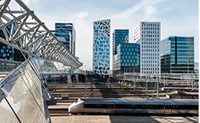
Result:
<point x="67" y="31"/>
<point x="177" y="54"/>
<point x="119" y="36"/>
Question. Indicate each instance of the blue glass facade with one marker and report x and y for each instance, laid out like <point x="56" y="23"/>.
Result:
<point x="119" y="36"/>
<point x="6" y="52"/>
<point x="67" y="31"/>
<point x="9" y="53"/>
<point x="177" y="55"/>
<point x="101" y="47"/>
<point x="127" y="58"/>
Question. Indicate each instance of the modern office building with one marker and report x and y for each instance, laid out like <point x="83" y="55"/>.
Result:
<point x="127" y="58"/>
<point x="9" y="53"/>
<point x="101" y="47"/>
<point x="67" y="31"/>
<point x="119" y="36"/>
<point x="6" y="52"/>
<point x="177" y="54"/>
<point x="147" y="34"/>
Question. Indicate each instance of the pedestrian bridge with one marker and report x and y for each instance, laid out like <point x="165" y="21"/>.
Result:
<point x="23" y="93"/>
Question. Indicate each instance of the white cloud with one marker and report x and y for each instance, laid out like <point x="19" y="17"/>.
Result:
<point x="81" y="15"/>
<point x="83" y="38"/>
<point x="146" y="8"/>
<point x="150" y="13"/>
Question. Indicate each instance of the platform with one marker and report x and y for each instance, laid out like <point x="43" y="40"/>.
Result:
<point x="122" y="119"/>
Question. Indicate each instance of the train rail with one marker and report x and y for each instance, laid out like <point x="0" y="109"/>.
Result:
<point x="59" y="112"/>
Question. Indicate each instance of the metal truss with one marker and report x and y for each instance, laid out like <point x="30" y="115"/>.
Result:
<point x="23" y="30"/>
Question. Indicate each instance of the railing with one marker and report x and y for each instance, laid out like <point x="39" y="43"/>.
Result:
<point x="176" y="80"/>
<point x="171" y="76"/>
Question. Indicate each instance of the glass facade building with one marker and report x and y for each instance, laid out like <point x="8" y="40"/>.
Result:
<point x="177" y="55"/>
<point x="101" y="47"/>
<point x="67" y="31"/>
<point x="6" y="52"/>
<point x="9" y="53"/>
<point x="119" y="36"/>
<point x="127" y="58"/>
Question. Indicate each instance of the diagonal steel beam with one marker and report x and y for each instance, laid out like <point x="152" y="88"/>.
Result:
<point x="28" y="31"/>
<point x="26" y="35"/>
<point x="5" y="5"/>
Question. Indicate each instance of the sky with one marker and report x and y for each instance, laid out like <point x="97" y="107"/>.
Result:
<point x="177" y="17"/>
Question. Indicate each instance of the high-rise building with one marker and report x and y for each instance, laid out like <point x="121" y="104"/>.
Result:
<point x="177" y="54"/>
<point x="119" y="36"/>
<point x="67" y="31"/>
<point x="147" y="34"/>
<point x="127" y="58"/>
<point x="101" y="47"/>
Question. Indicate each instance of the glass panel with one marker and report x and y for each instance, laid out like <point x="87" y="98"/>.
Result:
<point x="6" y="114"/>
<point x="24" y="94"/>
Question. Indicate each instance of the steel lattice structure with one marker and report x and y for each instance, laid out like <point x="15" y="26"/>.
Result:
<point x="28" y="34"/>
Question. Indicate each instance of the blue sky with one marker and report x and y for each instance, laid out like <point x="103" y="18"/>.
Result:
<point x="177" y="17"/>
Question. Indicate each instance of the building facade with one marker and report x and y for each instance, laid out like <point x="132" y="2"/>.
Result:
<point x="147" y="34"/>
<point x="119" y="36"/>
<point x="9" y="53"/>
<point x="6" y="52"/>
<point x="67" y="31"/>
<point x="101" y="47"/>
<point x="127" y="58"/>
<point x="177" y="55"/>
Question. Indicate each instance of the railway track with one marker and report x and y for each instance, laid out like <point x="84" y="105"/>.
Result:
<point x="59" y="112"/>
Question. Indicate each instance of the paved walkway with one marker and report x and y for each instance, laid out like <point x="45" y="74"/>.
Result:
<point x="122" y="119"/>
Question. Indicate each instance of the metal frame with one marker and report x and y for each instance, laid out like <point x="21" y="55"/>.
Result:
<point x="29" y="35"/>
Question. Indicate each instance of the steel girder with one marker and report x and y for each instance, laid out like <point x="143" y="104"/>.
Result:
<point x="23" y="30"/>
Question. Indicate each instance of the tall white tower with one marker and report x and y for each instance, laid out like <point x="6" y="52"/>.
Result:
<point x="147" y="34"/>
